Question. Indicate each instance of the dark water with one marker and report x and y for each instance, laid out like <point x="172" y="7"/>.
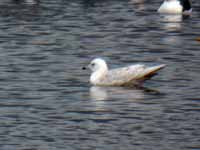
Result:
<point x="46" y="102"/>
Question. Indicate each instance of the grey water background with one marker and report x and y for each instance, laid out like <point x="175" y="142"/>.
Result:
<point x="46" y="102"/>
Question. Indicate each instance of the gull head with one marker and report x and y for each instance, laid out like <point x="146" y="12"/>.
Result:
<point x="98" y="64"/>
<point x="99" y="69"/>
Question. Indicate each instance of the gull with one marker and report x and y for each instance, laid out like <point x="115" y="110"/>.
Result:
<point x="133" y="75"/>
<point x="176" y="7"/>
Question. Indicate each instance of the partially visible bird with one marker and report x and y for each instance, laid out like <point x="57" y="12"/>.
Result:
<point x="30" y="2"/>
<point x="176" y="7"/>
<point x="133" y="75"/>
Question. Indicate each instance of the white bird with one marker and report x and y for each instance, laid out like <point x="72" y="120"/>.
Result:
<point x="133" y="75"/>
<point x="176" y="7"/>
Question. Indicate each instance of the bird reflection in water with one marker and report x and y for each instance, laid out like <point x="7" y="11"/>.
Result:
<point x="105" y="93"/>
<point x="101" y="95"/>
<point x="172" y="22"/>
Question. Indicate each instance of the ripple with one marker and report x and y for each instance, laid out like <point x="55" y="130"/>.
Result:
<point x="46" y="100"/>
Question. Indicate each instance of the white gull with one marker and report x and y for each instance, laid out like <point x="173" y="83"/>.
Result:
<point x="133" y="75"/>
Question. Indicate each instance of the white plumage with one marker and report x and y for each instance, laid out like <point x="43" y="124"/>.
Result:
<point x="175" y="7"/>
<point x="125" y="76"/>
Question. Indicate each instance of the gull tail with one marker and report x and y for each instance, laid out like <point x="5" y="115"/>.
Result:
<point x="144" y="73"/>
<point x="151" y="71"/>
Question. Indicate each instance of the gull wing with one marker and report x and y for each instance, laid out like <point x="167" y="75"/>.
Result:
<point x="130" y="75"/>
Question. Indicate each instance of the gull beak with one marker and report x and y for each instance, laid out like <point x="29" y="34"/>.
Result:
<point x="84" y="68"/>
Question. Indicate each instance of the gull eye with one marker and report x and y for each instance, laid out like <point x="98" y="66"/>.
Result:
<point x="92" y="64"/>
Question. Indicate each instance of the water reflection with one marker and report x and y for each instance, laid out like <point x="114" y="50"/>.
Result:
<point x="45" y="100"/>
<point x="98" y="93"/>
<point x="15" y="11"/>
<point x="106" y="93"/>
<point x="171" y="22"/>
<point x="138" y="4"/>
<point x="29" y="2"/>
<point x="100" y="96"/>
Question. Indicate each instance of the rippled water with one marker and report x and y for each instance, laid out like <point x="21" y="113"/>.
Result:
<point x="46" y="101"/>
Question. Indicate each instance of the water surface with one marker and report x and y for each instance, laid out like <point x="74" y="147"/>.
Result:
<point x="46" y="101"/>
